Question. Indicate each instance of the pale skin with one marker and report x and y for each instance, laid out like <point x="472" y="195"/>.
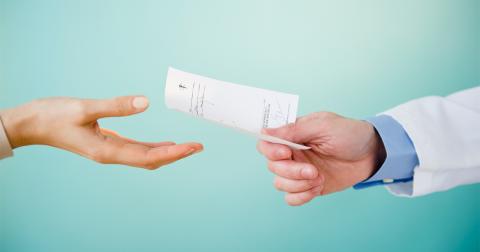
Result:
<point x="343" y="153"/>
<point x="72" y="124"/>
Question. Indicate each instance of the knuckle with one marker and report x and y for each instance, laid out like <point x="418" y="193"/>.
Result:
<point x="327" y="114"/>
<point x="324" y="114"/>
<point x="290" y="126"/>
<point x="289" y="129"/>
<point x="321" y="116"/>
<point x="80" y="109"/>
<point x="296" y="171"/>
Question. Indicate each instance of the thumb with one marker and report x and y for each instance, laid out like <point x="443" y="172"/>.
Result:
<point x="119" y="106"/>
<point x="302" y="131"/>
<point x="286" y="132"/>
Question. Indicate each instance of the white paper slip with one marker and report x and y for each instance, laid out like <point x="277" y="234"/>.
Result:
<point x="277" y="140"/>
<point x="241" y="107"/>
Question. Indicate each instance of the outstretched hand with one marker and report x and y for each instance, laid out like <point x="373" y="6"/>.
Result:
<point x="72" y="124"/>
<point x="343" y="153"/>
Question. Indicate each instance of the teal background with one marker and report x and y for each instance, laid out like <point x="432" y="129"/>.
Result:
<point x="356" y="58"/>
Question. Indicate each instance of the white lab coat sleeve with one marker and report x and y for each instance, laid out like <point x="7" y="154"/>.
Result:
<point x="446" y="134"/>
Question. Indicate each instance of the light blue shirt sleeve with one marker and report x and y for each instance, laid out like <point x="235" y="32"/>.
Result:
<point x="401" y="156"/>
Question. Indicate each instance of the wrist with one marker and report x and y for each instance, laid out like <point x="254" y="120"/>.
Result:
<point x="18" y="122"/>
<point x="379" y="153"/>
<point x="376" y="153"/>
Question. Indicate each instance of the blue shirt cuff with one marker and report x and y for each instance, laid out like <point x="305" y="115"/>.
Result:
<point x="401" y="156"/>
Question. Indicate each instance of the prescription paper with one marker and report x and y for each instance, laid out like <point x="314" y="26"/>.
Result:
<point x="244" y="108"/>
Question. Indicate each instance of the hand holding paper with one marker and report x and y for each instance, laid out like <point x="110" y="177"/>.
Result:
<point x="344" y="152"/>
<point x="341" y="152"/>
<point x="244" y="108"/>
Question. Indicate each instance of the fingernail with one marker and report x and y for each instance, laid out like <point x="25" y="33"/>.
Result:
<point x="308" y="173"/>
<point x="191" y="152"/>
<point x="140" y="102"/>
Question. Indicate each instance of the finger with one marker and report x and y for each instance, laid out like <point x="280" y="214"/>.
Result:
<point x="298" y="199"/>
<point x="274" y="151"/>
<point x="293" y="170"/>
<point x="119" y="106"/>
<point x="304" y="129"/>
<point x="111" y="133"/>
<point x="159" y="156"/>
<point x="285" y="132"/>
<point x="168" y="154"/>
<point x="115" y="151"/>
<point x="295" y="186"/>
